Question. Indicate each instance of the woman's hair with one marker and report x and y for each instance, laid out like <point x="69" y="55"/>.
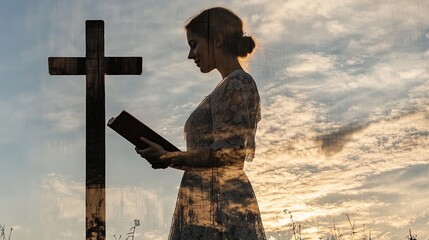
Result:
<point x="213" y="21"/>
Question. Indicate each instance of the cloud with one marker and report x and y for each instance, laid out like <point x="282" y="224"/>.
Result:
<point x="308" y="63"/>
<point x="62" y="206"/>
<point x="405" y="185"/>
<point x="16" y="114"/>
<point x="304" y="182"/>
<point x="67" y="196"/>
<point x="347" y="78"/>
<point x="335" y="141"/>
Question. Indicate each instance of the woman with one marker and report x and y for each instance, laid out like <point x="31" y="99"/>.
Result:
<point x="216" y="199"/>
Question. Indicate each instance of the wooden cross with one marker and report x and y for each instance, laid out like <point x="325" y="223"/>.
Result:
<point x="95" y="65"/>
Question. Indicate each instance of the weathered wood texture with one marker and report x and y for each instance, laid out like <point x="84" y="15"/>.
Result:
<point x="95" y="66"/>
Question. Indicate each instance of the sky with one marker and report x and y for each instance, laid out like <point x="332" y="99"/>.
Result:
<point x="344" y="130"/>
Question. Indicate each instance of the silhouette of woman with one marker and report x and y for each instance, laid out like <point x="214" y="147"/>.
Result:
<point x="216" y="199"/>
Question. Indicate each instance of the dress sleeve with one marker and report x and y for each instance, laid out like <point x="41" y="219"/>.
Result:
<point x="235" y="114"/>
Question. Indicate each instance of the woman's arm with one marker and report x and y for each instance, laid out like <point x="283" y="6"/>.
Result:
<point x="160" y="158"/>
<point x="202" y="158"/>
<point x="235" y="114"/>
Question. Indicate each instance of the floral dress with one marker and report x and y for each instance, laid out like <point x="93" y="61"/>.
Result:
<point x="216" y="199"/>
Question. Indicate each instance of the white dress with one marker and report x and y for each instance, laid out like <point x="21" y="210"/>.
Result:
<point x="216" y="199"/>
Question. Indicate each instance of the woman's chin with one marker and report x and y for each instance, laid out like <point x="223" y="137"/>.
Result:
<point x="206" y="70"/>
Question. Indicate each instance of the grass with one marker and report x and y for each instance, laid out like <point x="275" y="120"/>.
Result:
<point x="131" y="232"/>
<point x="338" y="235"/>
<point x="3" y="234"/>
<point x="296" y="231"/>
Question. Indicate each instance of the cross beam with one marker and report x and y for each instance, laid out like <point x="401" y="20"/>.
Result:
<point x="95" y="65"/>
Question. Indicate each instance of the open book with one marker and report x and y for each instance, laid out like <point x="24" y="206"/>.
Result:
<point x="132" y="129"/>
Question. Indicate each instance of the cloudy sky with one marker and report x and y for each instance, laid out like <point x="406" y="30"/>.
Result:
<point x="344" y="129"/>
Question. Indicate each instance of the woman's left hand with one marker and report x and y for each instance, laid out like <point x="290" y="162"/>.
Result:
<point x="153" y="154"/>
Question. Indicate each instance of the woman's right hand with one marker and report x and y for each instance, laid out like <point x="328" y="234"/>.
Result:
<point x="154" y="162"/>
<point x="154" y="154"/>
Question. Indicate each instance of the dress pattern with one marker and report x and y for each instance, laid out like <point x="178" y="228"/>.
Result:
<point x="215" y="199"/>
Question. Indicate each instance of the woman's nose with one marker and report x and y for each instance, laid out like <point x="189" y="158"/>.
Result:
<point x="191" y="55"/>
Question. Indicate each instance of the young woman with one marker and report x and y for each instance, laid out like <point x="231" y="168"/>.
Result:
<point x="216" y="199"/>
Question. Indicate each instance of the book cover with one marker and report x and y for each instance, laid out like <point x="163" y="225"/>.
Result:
<point x="132" y="129"/>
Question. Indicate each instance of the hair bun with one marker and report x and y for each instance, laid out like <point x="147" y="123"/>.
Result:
<point x="245" y="46"/>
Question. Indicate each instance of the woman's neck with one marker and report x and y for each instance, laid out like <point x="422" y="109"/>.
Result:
<point x="227" y="65"/>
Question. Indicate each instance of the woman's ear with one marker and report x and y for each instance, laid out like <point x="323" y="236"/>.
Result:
<point x="218" y="40"/>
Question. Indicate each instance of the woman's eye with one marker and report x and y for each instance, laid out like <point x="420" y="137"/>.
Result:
<point x="192" y="45"/>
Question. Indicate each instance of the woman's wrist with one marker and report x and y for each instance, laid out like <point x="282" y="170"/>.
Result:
<point x="168" y="158"/>
<point x="176" y="158"/>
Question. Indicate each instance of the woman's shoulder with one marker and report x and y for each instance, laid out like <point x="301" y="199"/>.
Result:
<point x="241" y="75"/>
<point x="236" y="81"/>
<point x="239" y="79"/>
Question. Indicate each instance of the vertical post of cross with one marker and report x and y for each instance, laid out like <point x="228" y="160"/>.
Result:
<point x="95" y="66"/>
<point x="95" y="131"/>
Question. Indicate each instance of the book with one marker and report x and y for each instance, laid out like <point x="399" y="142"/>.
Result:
<point x="132" y="129"/>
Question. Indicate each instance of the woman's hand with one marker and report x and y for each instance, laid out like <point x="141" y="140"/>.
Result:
<point x="154" y="154"/>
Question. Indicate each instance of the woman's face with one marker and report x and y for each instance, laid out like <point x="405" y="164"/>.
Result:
<point x="201" y="51"/>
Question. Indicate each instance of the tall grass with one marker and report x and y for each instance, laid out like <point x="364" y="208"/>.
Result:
<point x="131" y="232"/>
<point x="352" y="234"/>
<point x="411" y="236"/>
<point x="3" y="234"/>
